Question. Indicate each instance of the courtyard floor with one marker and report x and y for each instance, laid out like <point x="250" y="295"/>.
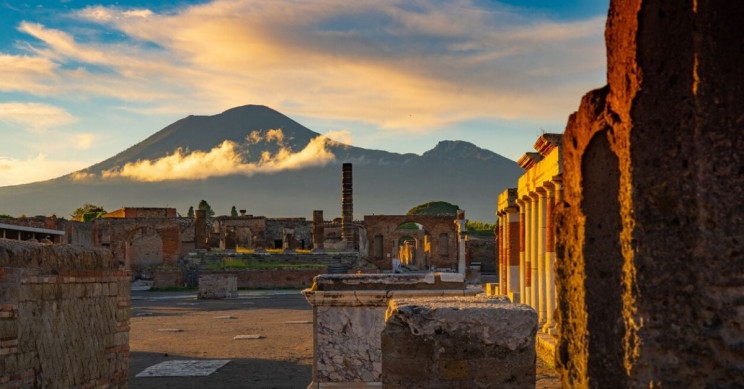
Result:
<point x="168" y="326"/>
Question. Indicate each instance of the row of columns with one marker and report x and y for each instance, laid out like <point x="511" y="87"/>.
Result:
<point x="528" y="277"/>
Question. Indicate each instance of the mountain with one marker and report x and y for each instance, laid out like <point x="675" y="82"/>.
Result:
<point x="384" y="182"/>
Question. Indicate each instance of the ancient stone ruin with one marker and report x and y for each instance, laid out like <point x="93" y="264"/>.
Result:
<point x="64" y="317"/>
<point x="458" y="342"/>
<point x="651" y="235"/>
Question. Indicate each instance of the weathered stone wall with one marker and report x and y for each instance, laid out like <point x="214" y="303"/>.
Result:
<point x="650" y="234"/>
<point x="483" y="251"/>
<point x="272" y="278"/>
<point x="167" y="278"/>
<point x="302" y="236"/>
<point x="217" y="286"/>
<point x="64" y="317"/>
<point x="458" y="342"/>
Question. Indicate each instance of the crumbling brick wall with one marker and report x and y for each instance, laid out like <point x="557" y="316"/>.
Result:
<point x="64" y="317"/>
<point x="650" y="233"/>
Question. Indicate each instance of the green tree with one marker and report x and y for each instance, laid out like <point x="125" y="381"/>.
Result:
<point x="233" y="211"/>
<point x="4" y="216"/>
<point x="88" y="212"/>
<point x="190" y="213"/>
<point x="204" y="206"/>
<point x="434" y="208"/>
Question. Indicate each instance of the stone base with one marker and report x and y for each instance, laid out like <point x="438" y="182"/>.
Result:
<point x="465" y="342"/>
<point x="344" y="385"/>
<point x="492" y="289"/>
<point x="217" y="286"/>
<point x="514" y="297"/>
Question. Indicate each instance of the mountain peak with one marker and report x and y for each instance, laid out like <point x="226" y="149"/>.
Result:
<point x="448" y="149"/>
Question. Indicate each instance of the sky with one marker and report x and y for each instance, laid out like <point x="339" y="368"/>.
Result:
<point x="83" y="80"/>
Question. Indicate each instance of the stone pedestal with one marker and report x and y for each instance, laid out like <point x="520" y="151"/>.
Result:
<point x="349" y="315"/>
<point x="458" y="342"/>
<point x="218" y="286"/>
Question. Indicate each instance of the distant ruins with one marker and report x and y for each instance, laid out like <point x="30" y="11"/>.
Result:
<point x="144" y="239"/>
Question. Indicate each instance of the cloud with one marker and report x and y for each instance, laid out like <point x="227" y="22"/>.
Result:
<point x="28" y="74"/>
<point x="342" y="136"/>
<point x="14" y="171"/>
<point x="84" y="141"/>
<point x="226" y="159"/>
<point x="35" y="116"/>
<point x="391" y="63"/>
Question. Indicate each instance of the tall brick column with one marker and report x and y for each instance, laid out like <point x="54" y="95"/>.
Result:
<point x="347" y="206"/>
<point x="650" y="233"/>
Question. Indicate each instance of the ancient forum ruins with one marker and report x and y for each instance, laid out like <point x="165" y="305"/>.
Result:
<point x="621" y="246"/>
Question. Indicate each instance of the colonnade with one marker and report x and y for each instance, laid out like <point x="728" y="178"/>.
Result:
<point x="526" y="220"/>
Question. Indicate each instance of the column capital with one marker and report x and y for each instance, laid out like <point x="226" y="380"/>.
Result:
<point x="541" y="191"/>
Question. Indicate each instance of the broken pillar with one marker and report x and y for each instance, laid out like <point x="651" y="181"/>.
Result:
<point x="200" y="229"/>
<point x="349" y="315"/>
<point x="458" y="342"/>
<point x="318" y="229"/>
<point x="650" y="244"/>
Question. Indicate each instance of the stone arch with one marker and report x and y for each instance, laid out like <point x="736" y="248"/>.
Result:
<point x="603" y="263"/>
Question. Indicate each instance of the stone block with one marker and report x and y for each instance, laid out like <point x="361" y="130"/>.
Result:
<point x="492" y="289"/>
<point x="348" y="320"/>
<point x="466" y="342"/>
<point x="217" y="286"/>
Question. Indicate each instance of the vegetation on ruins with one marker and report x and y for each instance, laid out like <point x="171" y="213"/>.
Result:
<point x="233" y="211"/>
<point x="88" y="212"/>
<point x="190" y="212"/>
<point x="4" y="216"/>
<point x="204" y="206"/>
<point x="434" y="208"/>
<point x="479" y="228"/>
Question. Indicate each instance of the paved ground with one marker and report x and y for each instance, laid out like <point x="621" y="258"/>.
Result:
<point x="281" y="359"/>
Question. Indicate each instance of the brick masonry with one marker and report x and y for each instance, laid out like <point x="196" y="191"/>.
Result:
<point x="64" y="317"/>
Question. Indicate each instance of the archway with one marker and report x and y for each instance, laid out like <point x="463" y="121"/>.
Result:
<point x="412" y="245"/>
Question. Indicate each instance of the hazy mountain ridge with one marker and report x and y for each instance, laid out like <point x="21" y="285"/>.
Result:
<point x="384" y="182"/>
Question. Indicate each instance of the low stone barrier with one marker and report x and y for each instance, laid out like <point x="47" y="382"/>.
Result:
<point x="217" y="286"/>
<point x="167" y="278"/>
<point x="272" y="278"/>
<point x="349" y="315"/>
<point x="458" y="342"/>
<point x="64" y="317"/>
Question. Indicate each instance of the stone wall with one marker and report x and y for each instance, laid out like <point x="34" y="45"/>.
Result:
<point x="650" y="234"/>
<point x="483" y="250"/>
<point x="217" y="286"/>
<point x="64" y="317"/>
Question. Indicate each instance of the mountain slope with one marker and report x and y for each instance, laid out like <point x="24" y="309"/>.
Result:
<point x="384" y="183"/>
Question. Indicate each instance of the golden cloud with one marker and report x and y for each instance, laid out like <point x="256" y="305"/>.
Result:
<point x="226" y="159"/>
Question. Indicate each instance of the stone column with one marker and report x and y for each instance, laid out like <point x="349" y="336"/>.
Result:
<point x="550" y="257"/>
<point x="527" y="268"/>
<point x="541" y="268"/>
<point x="534" y="253"/>
<point x="502" y="250"/>
<point x="512" y="251"/>
<point x="347" y="206"/>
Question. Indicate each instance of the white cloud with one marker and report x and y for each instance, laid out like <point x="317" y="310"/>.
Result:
<point x="35" y="116"/>
<point x="226" y="159"/>
<point x="15" y="171"/>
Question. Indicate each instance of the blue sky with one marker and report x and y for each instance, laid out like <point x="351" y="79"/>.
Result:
<point x="83" y="80"/>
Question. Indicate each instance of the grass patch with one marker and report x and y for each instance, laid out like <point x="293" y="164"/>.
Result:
<point x="262" y="265"/>
<point x="173" y="289"/>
